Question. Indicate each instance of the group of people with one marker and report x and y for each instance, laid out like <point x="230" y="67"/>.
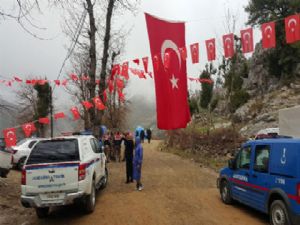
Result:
<point x="133" y="154"/>
<point x="142" y="135"/>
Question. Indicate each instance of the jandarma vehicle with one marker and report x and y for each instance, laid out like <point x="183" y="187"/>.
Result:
<point x="62" y="171"/>
<point x="265" y="175"/>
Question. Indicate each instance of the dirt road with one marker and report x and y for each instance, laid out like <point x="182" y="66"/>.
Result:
<point x="177" y="192"/>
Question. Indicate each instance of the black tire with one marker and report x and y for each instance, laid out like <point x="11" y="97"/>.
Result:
<point x="42" y="212"/>
<point x="90" y="200"/>
<point x="105" y="181"/>
<point x="225" y="192"/>
<point x="21" y="163"/>
<point x="279" y="214"/>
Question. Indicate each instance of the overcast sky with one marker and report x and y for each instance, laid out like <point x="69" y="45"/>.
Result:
<point x="23" y="55"/>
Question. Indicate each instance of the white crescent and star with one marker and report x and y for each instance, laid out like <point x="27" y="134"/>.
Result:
<point x="211" y="46"/>
<point x="171" y="45"/>
<point x="292" y="21"/>
<point x="10" y="135"/>
<point x="228" y="42"/>
<point x="246" y="37"/>
<point x="268" y="28"/>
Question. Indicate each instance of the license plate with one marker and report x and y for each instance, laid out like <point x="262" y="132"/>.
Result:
<point x="52" y="196"/>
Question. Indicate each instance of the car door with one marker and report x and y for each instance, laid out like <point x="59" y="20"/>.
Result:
<point x="96" y="158"/>
<point x="259" y="177"/>
<point x="101" y="158"/>
<point x="240" y="177"/>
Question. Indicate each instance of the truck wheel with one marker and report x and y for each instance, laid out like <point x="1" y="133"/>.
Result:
<point x="279" y="214"/>
<point x="21" y="163"/>
<point x="225" y="193"/>
<point x="105" y="179"/>
<point x="42" y="212"/>
<point x="90" y="200"/>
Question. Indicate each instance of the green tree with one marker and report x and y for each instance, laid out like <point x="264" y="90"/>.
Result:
<point x="282" y="60"/>
<point x="206" y="89"/>
<point x="43" y="104"/>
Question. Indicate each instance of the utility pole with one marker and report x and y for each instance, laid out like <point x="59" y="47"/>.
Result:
<point x="51" y="112"/>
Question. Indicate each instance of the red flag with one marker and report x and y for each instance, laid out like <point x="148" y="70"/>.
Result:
<point x="247" y="40"/>
<point x="292" y="28"/>
<point x="44" y="120"/>
<point x="59" y="115"/>
<point x="98" y="103"/>
<point x="87" y="105"/>
<point x="207" y="81"/>
<point x="150" y="74"/>
<point x="120" y="83"/>
<point x="57" y="82"/>
<point x="10" y="137"/>
<point x="145" y="62"/>
<point x="64" y="82"/>
<point x="85" y="77"/>
<point x="41" y="82"/>
<point x="28" y="128"/>
<point x="34" y="82"/>
<point x="183" y="53"/>
<point x="268" y="35"/>
<point x="195" y="53"/>
<point x="156" y="62"/>
<point x="110" y="85"/>
<point x="116" y="70"/>
<point x="211" y="49"/>
<point x="28" y="81"/>
<point x="228" y="43"/>
<point x="18" y="79"/>
<point x="125" y="70"/>
<point x="136" y="61"/>
<point x="74" y="77"/>
<point x="139" y="73"/>
<point x="121" y="96"/>
<point x="97" y="81"/>
<point x="170" y="85"/>
<point x="104" y="96"/>
<point x="75" y="112"/>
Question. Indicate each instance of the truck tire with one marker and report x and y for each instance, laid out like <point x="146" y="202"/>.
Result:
<point x="105" y="179"/>
<point x="225" y="192"/>
<point x="90" y="200"/>
<point x="42" y="212"/>
<point x="279" y="214"/>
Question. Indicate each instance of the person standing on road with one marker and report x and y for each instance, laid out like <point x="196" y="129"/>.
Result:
<point x="117" y="146"/>
<point x="142" y="136"/>
<point x="149" y="134"/>
<point x="137" y="163"/>
<point x="129" y="146"/>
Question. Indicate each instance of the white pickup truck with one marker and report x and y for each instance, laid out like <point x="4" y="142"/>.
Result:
<point x="63" y="171"/>
<point x="6" y="159"/>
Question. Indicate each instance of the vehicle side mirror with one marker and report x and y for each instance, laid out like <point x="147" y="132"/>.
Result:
<point x="231" y="164"/>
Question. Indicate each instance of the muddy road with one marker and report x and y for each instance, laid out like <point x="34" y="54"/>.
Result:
<point x="177" y="192"/>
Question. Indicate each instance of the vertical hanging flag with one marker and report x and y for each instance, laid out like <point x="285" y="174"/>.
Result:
<point x="136" y="61"/>
<point x="292" y="28"/>
<point x="98" y="103"/>
<point x="87" y="105"/>
<point x="64" y="82"/>
<point x="247" y="40"/>
<point x="116" y="70"/>
<point x="211" y="49"/>
<point x="28" y="128"/>
<point x="183" y="53"/>
<point x="44" y="120"/>
<point x="74" y="77"/>
<point x="110" y="85"/>
<point x="59" y="115"/>
<point x="104" y="96"/>
<point x="124" y="72"/>
<point x="10" y="137"/>
<point x="121" y="96"/>
<point x="195" y="53"/>
<point x="120" y="83"/>
<point x="170" y="85"/>
<point x="145" y="62"/>
<point x="268" y="35"/>
<point x="75" y="112"/>
<point x="228" y="43"/>
<point x="57" y="82"/>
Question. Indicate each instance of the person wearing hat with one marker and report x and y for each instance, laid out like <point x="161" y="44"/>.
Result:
<point x="129" y="145"/>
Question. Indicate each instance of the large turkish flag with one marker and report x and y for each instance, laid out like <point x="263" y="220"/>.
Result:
<point x="171" y="82"/>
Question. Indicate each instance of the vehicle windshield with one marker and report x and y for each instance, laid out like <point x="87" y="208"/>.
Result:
<point x="52" y="151"/>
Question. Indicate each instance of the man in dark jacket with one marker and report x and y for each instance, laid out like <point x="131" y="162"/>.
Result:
<point x="129" y="146"/>
<point x="142" y="136"/>
<point x="149" y="134"/>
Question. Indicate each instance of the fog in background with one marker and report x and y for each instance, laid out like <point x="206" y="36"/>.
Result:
<point x="24" y="55"/>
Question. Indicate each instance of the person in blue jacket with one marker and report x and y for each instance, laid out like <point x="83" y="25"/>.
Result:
<point x="137" y="163"/>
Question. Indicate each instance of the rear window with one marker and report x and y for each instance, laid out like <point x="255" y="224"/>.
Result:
<point x="53" y="151"/>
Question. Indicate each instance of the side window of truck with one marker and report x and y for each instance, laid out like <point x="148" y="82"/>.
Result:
<point x="262" y="155"/>
<point x="243" y="160"/>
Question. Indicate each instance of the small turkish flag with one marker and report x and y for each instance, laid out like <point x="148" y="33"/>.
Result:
<point x="228" y="43"/>
<point x="42" y="82"/>
<point x="195" y="53"/>
<point x="59" y="115"/>
<point x="139" y="73"/>
<point x="183" y="53"/>
<point x="57" y="82"/>
<point x="98" y="103"/>
<point x="125" y="70"/>
<point x="104" y="96"/>
<point x="74" y="77"/>
<point x="247" y="40"/>
<point x="120" y="83"/>
<point x="10" y="137"/>
<point x="110" y="85"/>
<point x="136" y="61"/>
<point x="75" y="112"/>
<point x="87" y="105"/>
<point x="121" y="96"/>
<point x="18" y="79"/>
<point x="268" y="35"/>
<point x="44" y="120"/>
<point x="145" y="62"/>
<point x="85" y="77"/>
<point x="64" y="82"/>
<point x="28" y="82"/>
<point x="171" y="84"/>
<point x="28" y="128"/>
<point x="211" y="49"/>
<point x="150" y="74"/>
<point x="292" y="28"/>
<point x="116" y="70"/>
